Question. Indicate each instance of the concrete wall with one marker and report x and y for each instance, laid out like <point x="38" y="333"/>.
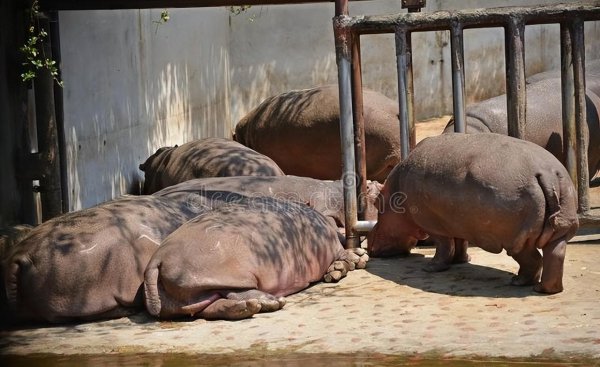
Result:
<point x="131" y="87"/>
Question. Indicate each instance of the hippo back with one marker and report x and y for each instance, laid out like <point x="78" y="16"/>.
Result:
<point x="88" y="264"/>
<point x="543" y="119"/>
<point x="211" y="157"/>
<point x="300" y="131"/>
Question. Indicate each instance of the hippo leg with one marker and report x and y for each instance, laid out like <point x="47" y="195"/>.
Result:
<point x="553" y="260"/>
<point x="268" y="302"/>
<point x="447" y="251"/>
<point x="349" y="259"/>
<point x="530" y="266"/>
<point x="229" y="309"/>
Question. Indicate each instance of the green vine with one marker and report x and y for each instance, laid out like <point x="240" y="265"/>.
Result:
<point x="237" y="10"/>
<point x="164" y="18"/>
<point x="33" y="51"/>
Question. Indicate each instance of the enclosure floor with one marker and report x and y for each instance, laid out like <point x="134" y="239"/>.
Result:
<point x="392" y="307"/>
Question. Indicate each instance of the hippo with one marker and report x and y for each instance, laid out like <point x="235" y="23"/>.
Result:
<point x="324" y="196"/>
<point x="243" y="258"/>
<point x="490" y="190"/>
<point x="300" y="131"/>
<point x="543" y="116"/>
<point x="89" y="264"/>
<point x="210" y="157"/>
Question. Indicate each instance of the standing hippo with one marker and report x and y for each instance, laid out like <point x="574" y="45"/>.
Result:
<point x="324" y="196"/>
<point x="89" y="264"/>
<point x="490" y="190"/>
<point x="300" y="131"/>
<point x="543" y="116"/>
<point x="242" y="258"/>
<point x="211" y="157"/>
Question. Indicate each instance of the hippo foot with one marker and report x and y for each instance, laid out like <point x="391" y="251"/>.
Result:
<point x="552" y="289"/>
<point x="229" y="309"/>
<point x="461" y="259"/>
<point x="351" y="259"/>
<point x="436" y="266"/>
<point x="522" y="280"/>
<point x="268" y="302"/>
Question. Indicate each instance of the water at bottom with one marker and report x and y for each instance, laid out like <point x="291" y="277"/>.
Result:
<point x="292" y="360"/>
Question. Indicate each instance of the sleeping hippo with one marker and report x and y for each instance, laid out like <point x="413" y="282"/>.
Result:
<point x="300" y="131"/>
<point x="89" y="264"/>
<point x="543" y="116"/>
<point x="490" y="190"/>
<point x="324" y="196"/>
<point x="210" y="157"/>
<point x="243" y="258"/>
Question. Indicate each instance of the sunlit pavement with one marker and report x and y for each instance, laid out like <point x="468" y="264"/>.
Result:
<point x="392" y="307"/>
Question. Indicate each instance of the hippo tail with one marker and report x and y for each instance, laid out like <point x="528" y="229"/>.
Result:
<point x="151" y="294"/>
<point x="561" y="208"/>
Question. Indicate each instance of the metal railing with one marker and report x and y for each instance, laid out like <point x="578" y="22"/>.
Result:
<point x="347" y="32"/>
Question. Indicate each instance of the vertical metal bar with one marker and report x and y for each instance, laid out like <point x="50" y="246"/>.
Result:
<point x="343" y="40"/>
<point x="516" y="97"/>
<point x="47" y="135"/>
<point x="359" y="126"/>
<point x="581" y="127"/>
<point x="59" y="111"/>
<point x="568" y="101"/>
<point x="402" y="65"/>
<point x="410" y="92"/>
<point x="341" y="7"/>
<point x="458" y="77"/>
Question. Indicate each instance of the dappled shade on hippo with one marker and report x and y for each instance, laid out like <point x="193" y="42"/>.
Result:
<point x="300" y="131"/>
<point x="240" y="259"/>
<point x="89" y="264"/>
<point x="490" y="190"/>
<point x="210" y="157"/>
<point x="324" y="196"/>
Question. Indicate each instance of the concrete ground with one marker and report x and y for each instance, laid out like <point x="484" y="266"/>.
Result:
<point x="390" y="308"/>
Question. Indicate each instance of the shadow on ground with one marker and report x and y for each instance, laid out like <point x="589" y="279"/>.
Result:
<point x="463" y="280"/>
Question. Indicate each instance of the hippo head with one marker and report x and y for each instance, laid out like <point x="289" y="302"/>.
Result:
<point x="395" y="233"/>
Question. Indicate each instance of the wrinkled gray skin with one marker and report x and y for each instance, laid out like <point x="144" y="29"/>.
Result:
<point x="210" y="157"/>
<point x="300" y="131"/>
<point x="243" y="258"/>
<point x="543" y="115"/>
<point x="88" y="264"/>
<point x="490" y="190"/>
<point x="324" y="196"/>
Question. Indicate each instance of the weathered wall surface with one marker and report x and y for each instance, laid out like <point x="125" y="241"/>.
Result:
<point x="131" y="87"/>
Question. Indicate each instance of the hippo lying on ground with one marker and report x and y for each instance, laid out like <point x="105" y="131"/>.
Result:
<point x="89" y="264"/>
<point x="324" y="196"/>
<point x="211" y="157"/>
<point x="543" y="116"/>
<point x="300" y="131"/>
<point x="242" y="258"/>
<point x="490" y="190"/>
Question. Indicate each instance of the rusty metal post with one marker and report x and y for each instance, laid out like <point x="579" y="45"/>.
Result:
<point x="343" y="46"/>
<point x="458" y="77"/>
<point x="581" y="128"/>
<point x="568" y="101"/>
<point x="359" y="127"/>
<point x="516" y="97"/>
<point x="50" y="182"/>
<point x="402" y="65"/>
<point x="410" y="94"/>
